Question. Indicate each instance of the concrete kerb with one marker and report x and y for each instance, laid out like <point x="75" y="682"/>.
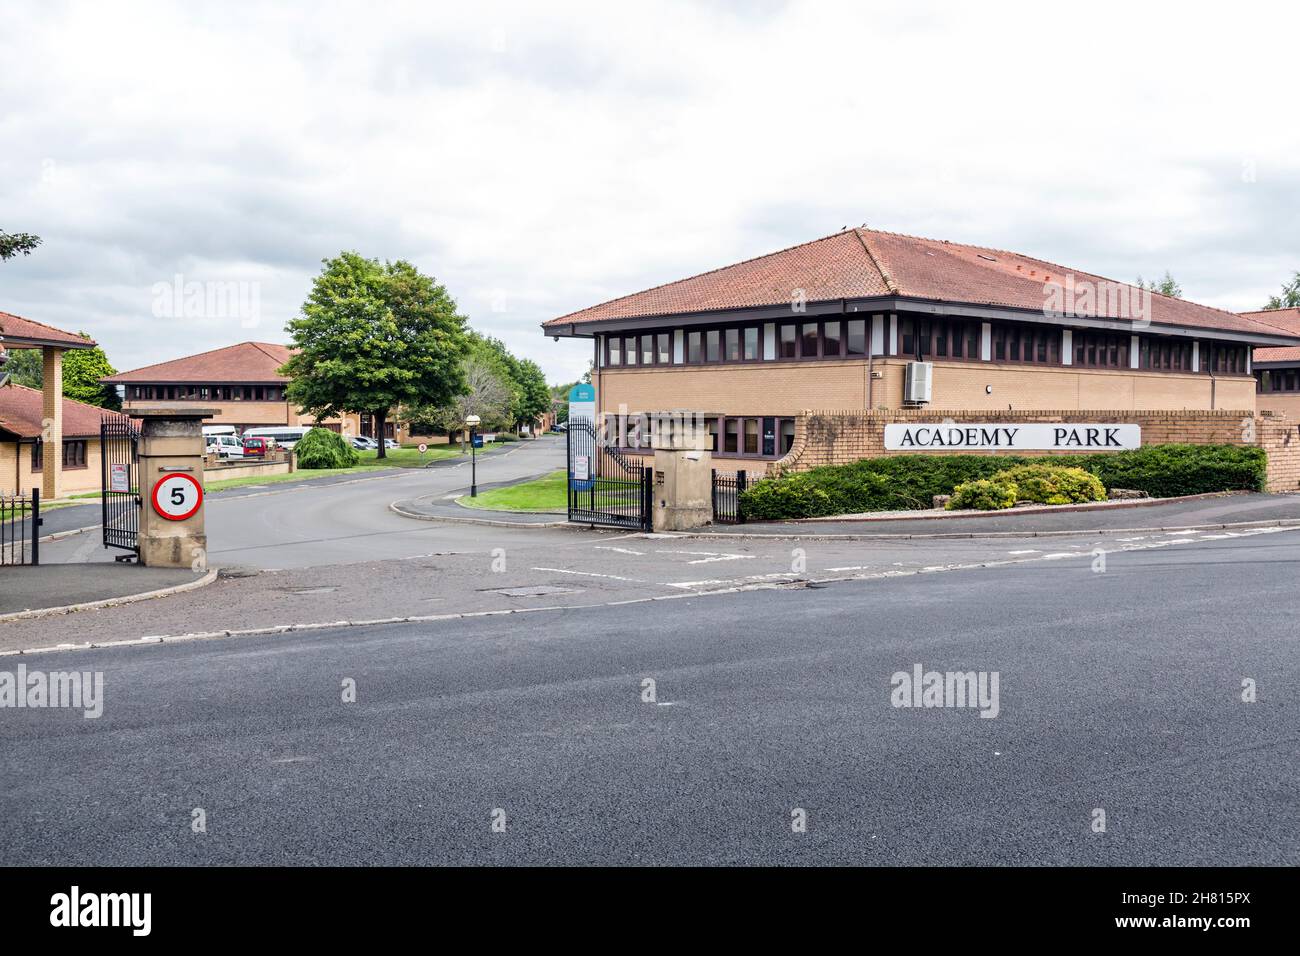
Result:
<point x="490" y="522"/>
<point x="1081" y="532"/>
<point x="207" y="579"/>
<point x="792" y="582"/>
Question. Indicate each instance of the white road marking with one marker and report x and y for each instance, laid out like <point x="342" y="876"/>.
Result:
<point x="601" y="547"/>
<point x="590" y="574"/>
<point x="1030" y="551"/>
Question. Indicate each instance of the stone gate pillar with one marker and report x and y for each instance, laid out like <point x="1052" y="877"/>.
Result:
<point x="683" y="470"/>
<point x="172" y="532"/>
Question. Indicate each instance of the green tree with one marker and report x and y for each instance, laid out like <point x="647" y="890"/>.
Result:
<point x="373" y="337"/>
<point x="489" y="391"/>
<point x="534" y="398"/>
<point x="1290" y="297"/>
<point x="82" y="371"/>
<point x="16" y="244"/>
<point x="1166" y="286"/>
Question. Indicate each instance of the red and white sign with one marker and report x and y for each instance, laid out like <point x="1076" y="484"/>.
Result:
<point x="177" y="497"/>
<point x="423" y="448"/>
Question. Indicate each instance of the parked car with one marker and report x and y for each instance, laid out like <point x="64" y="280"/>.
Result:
<point x="362" y="443"/>
<point x="225" y="446"/>
<point x="390" y="443"/>
<point x="258" y="447"/>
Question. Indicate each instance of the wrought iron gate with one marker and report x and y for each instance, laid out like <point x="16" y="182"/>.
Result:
<point x="727" y="489"/>
<point x="20" y="528"/>
<point x="605" y="487"/>
<point x="120" y="443"/>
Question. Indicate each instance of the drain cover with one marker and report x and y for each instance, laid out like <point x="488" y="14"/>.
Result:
<point x="536" y="590"/>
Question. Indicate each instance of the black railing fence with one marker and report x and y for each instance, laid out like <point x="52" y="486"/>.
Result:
<point x="604" y="487"/>
<point x="726" y="497"/>
<point x="121" y="484"/>
<point x="20" y="528"/>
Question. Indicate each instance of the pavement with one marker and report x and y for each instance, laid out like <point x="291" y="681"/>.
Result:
<point x="59" y="585"/>
<point x="1225" y="509"/>
<point x="1119" y="691"/>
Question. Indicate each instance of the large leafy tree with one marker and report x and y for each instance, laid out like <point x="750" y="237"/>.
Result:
<point x="374" y="337"/>
<point x="17" y="244"/>
<point x="489" y="392"/>
<point x="1290" y="297"/>
<point x="534" y="398"/>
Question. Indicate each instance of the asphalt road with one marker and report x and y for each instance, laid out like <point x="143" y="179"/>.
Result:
<point x="328" y="520"/>
<point x="1119" y="691"/>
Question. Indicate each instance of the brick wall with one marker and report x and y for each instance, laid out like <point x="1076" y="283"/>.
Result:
<point x="842" y="437"/>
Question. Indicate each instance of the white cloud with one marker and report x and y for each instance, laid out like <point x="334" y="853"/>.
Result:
<point x="540" y="158"/>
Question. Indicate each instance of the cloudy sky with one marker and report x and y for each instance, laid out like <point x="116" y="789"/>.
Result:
<point x="539" y="158"/>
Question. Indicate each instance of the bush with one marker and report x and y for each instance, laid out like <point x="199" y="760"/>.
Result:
<point x="908" y="482"/>
<point x="322" y="448"/>
<point x="794" y="497"/>
<point x="984" y="494"/>
<point x="1053" y="485"/>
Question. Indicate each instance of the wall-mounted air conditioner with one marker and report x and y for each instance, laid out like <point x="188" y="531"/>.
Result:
<point x="916" y="382"/>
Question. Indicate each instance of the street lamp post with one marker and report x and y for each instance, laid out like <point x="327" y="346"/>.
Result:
<point x="472" y="421"/>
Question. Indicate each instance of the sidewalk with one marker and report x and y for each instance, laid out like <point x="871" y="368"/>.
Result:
<point x="48" y="586"/>
<point x="1228" y="509"/>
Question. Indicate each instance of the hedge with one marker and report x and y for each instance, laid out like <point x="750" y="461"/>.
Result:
<point x="909" y="482"/>
<point x="985" y="494"/>
<point x="322" y="448"/>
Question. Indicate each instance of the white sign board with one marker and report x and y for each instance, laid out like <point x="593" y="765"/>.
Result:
<point x="177" y="496"/>
<point x="581" y="468"/>
<point x="988" y="436"/>
<point x="119" y="476"/>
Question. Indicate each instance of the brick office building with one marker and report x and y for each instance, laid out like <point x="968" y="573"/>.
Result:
<point x="835" y="323"/>
<point x="1277" y="370"/>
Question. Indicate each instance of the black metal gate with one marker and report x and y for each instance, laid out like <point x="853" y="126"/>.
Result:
<point x="120" y="443"/>
<point x="604" y="487"/>
<point x="727" y="489"/>
<point x="20" y="528"/>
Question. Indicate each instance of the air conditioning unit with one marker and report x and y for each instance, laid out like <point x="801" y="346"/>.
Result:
<point x="916" y="383"/>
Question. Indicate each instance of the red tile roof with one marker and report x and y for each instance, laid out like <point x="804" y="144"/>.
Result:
<point x="22" y="411"/>
<point x="1287" y="320"/>
<point x="245" y="362"/>
<point x="15" y="327"/>
<point x="863" y="263"/>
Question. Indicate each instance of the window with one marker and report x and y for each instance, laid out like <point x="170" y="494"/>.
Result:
<point x="694" y="347"/>
<point x="713" y="435"/>
<point x="787" y="344"/>
<point x="712" y="345"/>
<point x="732" y="338"/>
<point x="751" y="344"/>
<point x="731" y="436"/>
<point x="615" y="351"/>
<point x="629" y="350"/>
<point x="1101" y="350"/>
<point x="856" y="337"/>
<point x="787" y="435"/>
<point x="647" y="350"/>
<point x="808" y="340"/>
<point x="832" y="340"/>
<point x="751" y="436"/>
<point x="663" y="348"/>
<point x="74" y="455"/>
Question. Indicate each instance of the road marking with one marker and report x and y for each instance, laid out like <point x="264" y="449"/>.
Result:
<point x="1029" y="551"/>
<point x="601" y="547"/>
<point x="590" y="574"/>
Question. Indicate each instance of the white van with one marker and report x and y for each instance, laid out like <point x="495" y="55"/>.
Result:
<point x="285" y="437"/>
<point x="224" y="446"/>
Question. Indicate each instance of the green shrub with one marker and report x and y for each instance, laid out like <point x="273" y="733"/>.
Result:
<point x="1053" y="485"/>
<point x="908" y="482"/>
<point x="984" y="494"/>
<point x="322" y="448"/>
<point x="796" y="496"/>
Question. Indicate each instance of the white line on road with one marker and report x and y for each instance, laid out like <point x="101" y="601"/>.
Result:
<point x="590" y="574"/>
<point x="601" y="547"/>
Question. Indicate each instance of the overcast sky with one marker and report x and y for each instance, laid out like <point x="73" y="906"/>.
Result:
<point x="540" y="158"/>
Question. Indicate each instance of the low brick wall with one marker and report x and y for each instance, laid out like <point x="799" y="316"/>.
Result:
<point x="250" y="468"/>
<point x="842" y="437"/>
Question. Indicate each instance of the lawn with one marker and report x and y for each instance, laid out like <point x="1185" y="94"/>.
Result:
<point x="541" y="494"/>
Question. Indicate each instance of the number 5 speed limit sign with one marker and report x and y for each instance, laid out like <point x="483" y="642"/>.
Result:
<point x="177" y="497"/>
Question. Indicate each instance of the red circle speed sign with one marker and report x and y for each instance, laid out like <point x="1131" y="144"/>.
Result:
<point x="177" y="496"/>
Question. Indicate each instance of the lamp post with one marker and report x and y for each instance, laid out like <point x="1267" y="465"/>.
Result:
<point x="472" y="422"/>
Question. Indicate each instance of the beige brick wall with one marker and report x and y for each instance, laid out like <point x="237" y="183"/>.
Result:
<point x="17" y="477"/>
<point x="786" y="388"/>
<point x="1280" y="403"/>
